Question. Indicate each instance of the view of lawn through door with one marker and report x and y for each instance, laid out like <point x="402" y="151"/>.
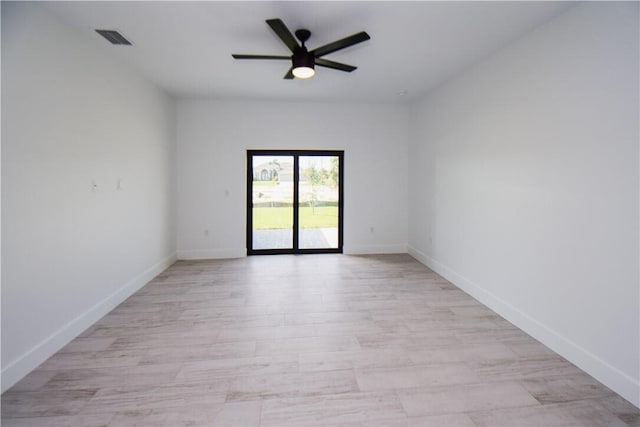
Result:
<point x="294" y="201"/>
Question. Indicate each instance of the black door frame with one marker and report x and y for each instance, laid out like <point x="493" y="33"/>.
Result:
<point x="295" y="154"/>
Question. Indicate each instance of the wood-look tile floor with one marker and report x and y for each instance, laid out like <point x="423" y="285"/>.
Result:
<point x="308" y="340"/>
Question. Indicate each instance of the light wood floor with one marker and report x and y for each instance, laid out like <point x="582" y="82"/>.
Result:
<point x="308" y="340"/>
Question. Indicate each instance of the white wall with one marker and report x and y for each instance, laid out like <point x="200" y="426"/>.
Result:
<point x="213" y="137"/>
<point x="524" y="187"/>
<point x="70" y="116"/>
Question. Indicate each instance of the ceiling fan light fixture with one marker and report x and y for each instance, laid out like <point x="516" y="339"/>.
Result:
<point x="304" y="72"/>
<point x="303" y="64"/>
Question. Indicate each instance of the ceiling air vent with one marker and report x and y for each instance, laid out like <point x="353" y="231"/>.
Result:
<point x="114" y="37"/>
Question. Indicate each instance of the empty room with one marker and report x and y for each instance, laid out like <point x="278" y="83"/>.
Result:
<point x="320" y="213"/>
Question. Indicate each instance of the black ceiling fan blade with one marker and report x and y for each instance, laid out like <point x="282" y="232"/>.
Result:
<point x="242" y="56"/>
<point x="335" y="65"/>
<point x="340" y="44"/>
<point x="289" y="74"/>
<point x="283" y="32"/>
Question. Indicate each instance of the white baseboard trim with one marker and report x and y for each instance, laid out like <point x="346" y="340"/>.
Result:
<point x="26" y="363"/>
<point x="375" y="249"/>
<point x="242" y="252"/>
<point x="212" y="254"/>
<point x="612" y="377"/>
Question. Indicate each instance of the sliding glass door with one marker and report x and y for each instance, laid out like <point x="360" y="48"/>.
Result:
<point x="272" y="202"/>
<point x="318" y="201"/>
<point x="294" y="201"/>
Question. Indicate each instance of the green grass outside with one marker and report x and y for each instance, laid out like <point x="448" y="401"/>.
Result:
<point x="265" y="218"/>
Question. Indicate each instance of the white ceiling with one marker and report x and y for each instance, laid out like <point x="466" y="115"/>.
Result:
<point x="185" y="47"/>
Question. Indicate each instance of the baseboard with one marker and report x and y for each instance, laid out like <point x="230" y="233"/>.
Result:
<point x="212" y="254"/>
<point x="26" y="363"/>
<point x="612" y="377"/>
<point x="242" y="252"/>
<point x="375" y="249"/>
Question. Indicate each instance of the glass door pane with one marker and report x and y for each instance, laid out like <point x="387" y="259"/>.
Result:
<point x="318" y="206"/>
<point x="272" y="202"/>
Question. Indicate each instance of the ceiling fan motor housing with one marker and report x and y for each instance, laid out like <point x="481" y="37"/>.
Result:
<point x="302" y="58"/>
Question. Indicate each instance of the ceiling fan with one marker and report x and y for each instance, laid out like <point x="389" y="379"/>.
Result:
<point x="303" y="61"/>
